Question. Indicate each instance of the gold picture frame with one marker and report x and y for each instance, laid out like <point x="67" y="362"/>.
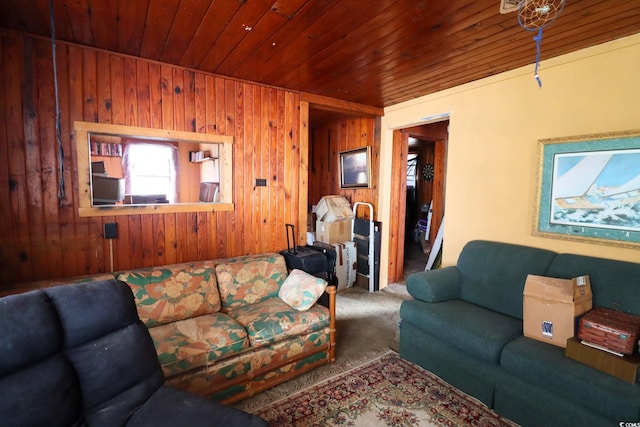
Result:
<point x="589" y="189"/>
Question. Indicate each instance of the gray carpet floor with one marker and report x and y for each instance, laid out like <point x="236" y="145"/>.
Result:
<point x="367" y="324"/>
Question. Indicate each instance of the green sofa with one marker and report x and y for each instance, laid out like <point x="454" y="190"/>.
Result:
<point x="464" y="324"/>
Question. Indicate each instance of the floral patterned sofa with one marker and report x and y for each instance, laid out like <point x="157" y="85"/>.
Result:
<point x="222" y="328"/>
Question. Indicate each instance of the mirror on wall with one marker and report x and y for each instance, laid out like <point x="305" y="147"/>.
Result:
<point x="124" y="170"/>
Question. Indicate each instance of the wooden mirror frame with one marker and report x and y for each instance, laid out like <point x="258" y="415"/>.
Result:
<point x="83" y="130"/>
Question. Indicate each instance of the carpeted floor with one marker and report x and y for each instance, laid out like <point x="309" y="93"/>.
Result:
<point x="387" y="391"/>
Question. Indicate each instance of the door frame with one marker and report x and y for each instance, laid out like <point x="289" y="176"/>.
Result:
<point x="400" y="152"/>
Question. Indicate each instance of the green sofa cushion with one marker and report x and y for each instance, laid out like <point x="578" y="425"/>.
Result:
<point x="614" y="284"/>
<point x="464" y="326"/>
<point x="492" y="274"/>
<point x="463" y="371"/>
<point x="546" y="366"/>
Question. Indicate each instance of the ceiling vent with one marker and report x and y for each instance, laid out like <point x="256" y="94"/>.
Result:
<point x="508" y="6"/>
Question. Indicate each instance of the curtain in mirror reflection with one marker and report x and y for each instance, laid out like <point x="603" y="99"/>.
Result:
<point x="151" y="172"/>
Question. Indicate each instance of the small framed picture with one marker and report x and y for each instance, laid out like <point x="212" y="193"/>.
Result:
<point x="355" y="168"/>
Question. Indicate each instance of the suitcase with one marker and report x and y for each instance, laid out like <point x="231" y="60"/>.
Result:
<point x="330" y="252"/>
<point x="305" y="258"/>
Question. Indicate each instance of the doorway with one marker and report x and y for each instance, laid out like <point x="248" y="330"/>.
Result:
<point x="418" y="182"/>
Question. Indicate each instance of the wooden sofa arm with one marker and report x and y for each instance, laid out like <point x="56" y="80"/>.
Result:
<point x="331" y="291"/>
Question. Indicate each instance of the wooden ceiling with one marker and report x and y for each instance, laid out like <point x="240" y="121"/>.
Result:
<point x="373" y="52"/>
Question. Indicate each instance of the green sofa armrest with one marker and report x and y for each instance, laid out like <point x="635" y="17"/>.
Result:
<point x="435" y="285"/>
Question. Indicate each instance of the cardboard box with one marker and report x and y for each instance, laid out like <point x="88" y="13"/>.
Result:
<point x="334" y="232"/>
<point x="624" y="367"/>
<point x="345" y="264"/>
<point x="552" y="307"/>
<point x="333" y="208"/>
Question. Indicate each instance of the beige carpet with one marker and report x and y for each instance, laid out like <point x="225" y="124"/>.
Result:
<point x="367" y="325"/>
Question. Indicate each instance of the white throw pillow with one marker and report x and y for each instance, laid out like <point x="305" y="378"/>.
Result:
<point x="301" y="290"/>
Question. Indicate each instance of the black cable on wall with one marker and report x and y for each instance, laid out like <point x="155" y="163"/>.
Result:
<point x="61" y="192"/>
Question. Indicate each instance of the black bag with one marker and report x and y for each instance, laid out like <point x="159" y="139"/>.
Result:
<point x="330" y="252"/>
<point x="304" y="258"/>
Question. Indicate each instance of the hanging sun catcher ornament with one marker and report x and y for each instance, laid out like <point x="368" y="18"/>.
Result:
<point x="534" y="15"/>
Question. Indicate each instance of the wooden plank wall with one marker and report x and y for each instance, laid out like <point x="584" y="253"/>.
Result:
<point x="43" y="238"/>
<point x="327" y="140"/>
<point x="398" y="206"/>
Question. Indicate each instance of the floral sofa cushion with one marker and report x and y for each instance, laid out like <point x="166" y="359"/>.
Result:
<point x="173" y="292"/>
<point x="188" y="344"/>
<point x="273" y="320"/>
<point x="250" y="279"/>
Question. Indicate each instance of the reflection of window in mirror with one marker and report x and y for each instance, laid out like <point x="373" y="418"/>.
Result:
<point x="199" y="174"/>
<point x="136" y="171"/>
<point x="150" y="172"/>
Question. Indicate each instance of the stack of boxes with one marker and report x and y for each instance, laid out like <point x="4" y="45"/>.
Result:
<point x="334" y="226"/>
<point x="559" y="312"/>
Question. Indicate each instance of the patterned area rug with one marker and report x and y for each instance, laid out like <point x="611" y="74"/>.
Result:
<point x="387" y="391"/>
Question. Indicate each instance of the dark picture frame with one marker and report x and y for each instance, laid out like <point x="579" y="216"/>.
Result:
<point x="589" y="189"/>
<point x="355" y="169"/>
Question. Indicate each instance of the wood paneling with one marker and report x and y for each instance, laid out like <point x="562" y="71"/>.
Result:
<point x="42" y="236"/>
<point x="399" y="153"/>
<point x="375" y="53"/>
<point x="328" y="139"/>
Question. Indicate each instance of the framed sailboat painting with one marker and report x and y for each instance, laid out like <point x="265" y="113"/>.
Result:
<point x="589" y="188"/>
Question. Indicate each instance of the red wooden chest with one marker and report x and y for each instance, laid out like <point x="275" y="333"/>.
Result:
<point x="611" y="329"/>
